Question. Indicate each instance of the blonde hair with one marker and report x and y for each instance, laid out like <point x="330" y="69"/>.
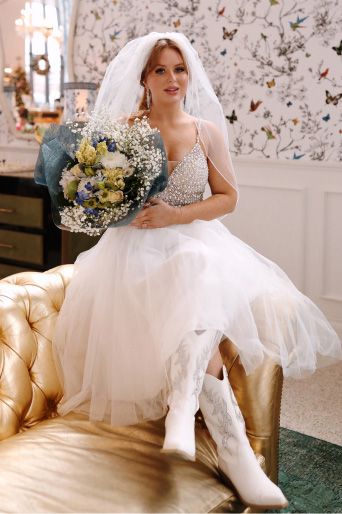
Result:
<point x="160" y="45"/>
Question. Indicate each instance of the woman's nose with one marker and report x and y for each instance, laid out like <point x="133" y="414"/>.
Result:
<point x="171" y="76"/>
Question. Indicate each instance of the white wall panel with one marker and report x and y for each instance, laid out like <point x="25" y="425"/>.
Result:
<point x="292" y="214"/>
<point x="272" y="220"/>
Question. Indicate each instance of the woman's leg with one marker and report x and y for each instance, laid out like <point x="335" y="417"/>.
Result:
<point x="186" y="373"/>
<point x="215" y="365"/>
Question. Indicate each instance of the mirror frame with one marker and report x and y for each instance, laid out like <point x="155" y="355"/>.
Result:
<point x="70" y="43"/>
<point x="4" y="104"/>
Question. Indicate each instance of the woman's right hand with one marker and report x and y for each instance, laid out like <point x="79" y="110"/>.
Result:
<point x="132" y="224"/>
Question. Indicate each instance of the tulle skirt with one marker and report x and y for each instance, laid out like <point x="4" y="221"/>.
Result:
<point x="138" y="293"/>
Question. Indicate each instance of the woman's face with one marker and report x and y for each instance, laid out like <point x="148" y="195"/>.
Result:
<point x="168" y="79"/>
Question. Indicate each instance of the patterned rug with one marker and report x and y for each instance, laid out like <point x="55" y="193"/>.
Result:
<point x="310" y="473"/>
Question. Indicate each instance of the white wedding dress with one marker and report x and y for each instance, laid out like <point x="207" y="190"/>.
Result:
<point x="137" y="293"/>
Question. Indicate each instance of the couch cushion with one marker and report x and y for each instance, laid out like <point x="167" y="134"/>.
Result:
<point x="68" y="464"/>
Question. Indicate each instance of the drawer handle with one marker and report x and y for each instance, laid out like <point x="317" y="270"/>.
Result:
<point x="6" y="211"/>
<point x="5" y="245"/>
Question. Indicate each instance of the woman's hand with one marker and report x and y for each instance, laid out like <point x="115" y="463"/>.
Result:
<point x="156" y="214"/>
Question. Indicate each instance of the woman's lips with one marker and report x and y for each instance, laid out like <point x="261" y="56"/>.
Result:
<point x="171" y="91"/>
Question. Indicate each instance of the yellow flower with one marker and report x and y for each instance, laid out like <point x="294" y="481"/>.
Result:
<point x="91" y="203"/>
<point x="71" y="189"/>
<point x="101" y="148"/>
<point x="111" y="196"/>
<point x="114" y="178"/>
<point x="120" y="183"/>
<point x="112" y="174"/>
<point x="86" y="153"/>
<point x="115" y="196"/>
<point x="89" y="172"/>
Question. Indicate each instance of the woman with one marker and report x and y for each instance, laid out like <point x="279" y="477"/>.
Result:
<point x="138" y="333"/>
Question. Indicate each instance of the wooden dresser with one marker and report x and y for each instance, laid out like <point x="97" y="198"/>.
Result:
<point x="29" y="240"/>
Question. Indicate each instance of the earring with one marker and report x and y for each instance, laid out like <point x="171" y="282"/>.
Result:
<point x="148" y="99"/>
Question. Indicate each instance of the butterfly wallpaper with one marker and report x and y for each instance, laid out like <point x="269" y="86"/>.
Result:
<point x="276" y="65"/>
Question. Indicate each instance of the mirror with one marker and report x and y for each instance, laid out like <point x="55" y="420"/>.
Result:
<point x="7" y="105"/>
<point x="31" y="35"/>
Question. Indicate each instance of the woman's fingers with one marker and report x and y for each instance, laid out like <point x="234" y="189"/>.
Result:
<point x="139" y="222"/>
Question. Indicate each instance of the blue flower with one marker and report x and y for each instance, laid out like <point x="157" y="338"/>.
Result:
<point x="81" y="196"/>
<point x="95" y="142"/>
<point x="93" y="212"/>
<point x="88" y="186"/>
<point x="111" y="146"/>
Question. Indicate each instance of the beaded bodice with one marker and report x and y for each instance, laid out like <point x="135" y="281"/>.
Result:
<point x="187" y="181"/>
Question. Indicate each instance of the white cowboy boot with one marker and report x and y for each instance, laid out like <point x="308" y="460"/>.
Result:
<point x="187" y="369"/>
<point x="236" y="458"/>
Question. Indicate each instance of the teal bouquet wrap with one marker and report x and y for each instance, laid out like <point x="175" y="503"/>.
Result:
<point x="101" y="173"/>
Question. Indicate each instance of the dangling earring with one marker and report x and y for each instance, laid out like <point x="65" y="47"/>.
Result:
<point x="148" y="99"/>
<point x="184" y="100"/>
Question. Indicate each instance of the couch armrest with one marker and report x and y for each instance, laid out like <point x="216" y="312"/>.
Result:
<point x="259" y="397"/>
<point x="29" y="386"/>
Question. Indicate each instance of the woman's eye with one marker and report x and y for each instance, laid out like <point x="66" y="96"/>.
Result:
<point x="179" y="69"/>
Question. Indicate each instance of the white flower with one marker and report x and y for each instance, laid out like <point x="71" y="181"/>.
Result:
<point x="114" y="160"/>
<point x="76" y="171"/>
<point x="83" y="181"/>
<point x="66" y="179"/>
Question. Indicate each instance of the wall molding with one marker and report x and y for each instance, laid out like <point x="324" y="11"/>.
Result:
<point x="305" y="255"/>
<point x="336" y="235"/>
<point x="279" y="165"/>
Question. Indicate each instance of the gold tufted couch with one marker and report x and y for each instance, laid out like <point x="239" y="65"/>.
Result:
<point x="50" y="463"/>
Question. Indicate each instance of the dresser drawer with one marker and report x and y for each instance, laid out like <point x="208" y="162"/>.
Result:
<point x="23" y="211"/>
<point x="21" y="247"/>
<point x="7" y="269"/>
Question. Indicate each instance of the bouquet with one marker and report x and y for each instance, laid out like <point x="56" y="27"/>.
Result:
<point x="101" y="173"/>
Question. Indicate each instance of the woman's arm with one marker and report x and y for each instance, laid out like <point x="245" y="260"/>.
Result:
<point x="224" y="196"/>
<point x="223" y="200"/>
<point x="159" y="214"/>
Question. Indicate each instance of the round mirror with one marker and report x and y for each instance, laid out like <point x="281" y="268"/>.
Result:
<point x="7" y="101"/>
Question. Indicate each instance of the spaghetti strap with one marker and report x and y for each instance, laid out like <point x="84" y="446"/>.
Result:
<point x="197" y="131"/>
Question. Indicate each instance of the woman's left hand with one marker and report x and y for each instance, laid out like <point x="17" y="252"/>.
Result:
<point x="155" y="214"/>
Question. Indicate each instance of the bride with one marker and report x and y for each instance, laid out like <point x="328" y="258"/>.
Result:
<point x="138" y="333"/>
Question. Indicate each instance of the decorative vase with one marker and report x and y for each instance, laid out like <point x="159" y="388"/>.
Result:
<point x="79" y="100"/>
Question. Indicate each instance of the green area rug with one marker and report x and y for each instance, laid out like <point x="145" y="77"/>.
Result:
<point x="310" y="473"/>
